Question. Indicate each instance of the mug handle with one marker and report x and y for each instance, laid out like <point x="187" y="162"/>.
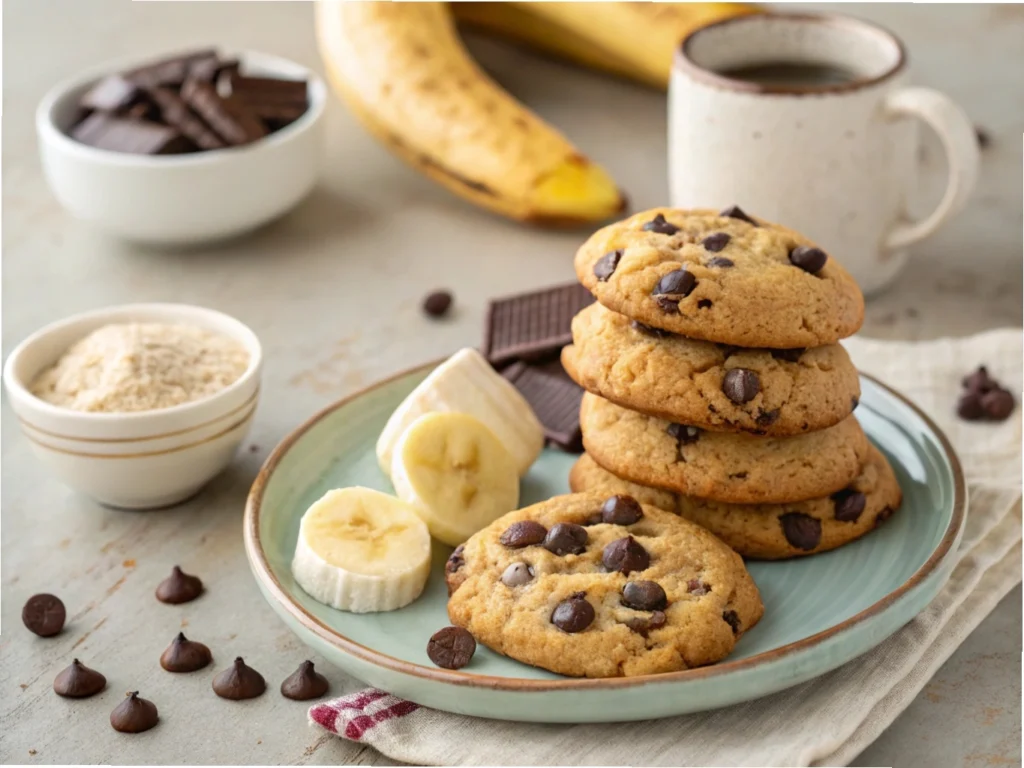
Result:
<point x="961" y="144"/>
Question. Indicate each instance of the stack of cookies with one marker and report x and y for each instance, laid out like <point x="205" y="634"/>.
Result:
<point x="716" y="388"/>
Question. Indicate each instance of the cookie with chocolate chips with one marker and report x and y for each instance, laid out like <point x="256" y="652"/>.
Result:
<point x="648" y="592"/>
<point x="721" y="276"/>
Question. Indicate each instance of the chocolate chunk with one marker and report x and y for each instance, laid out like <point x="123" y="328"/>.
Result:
<point x="179" y="587"/>
<point x="644" y="596"/>
<point x="882" y="516"/>
<point x="456" y="559"/>
<point x="574" y="614"/>
<point x="733" y="620"/>
<point x="808" y="259"/>
<point x="516" y="575"/>
<point x="304" y="683"/>
<point x="44" y="614"/>
<point x="649" y="330"/>
<point x="621" y="510"/>
<point x="800" y="530"/>
<point x="170" y="71"/>
<point x="767" y="418"/>
<point x="678" y="282"/>
<point x="626" y="556"/>
<point x="997" y="404"/>
<point x="532" y="326"/>
<point x="77" y="681"/>
<point x="849" y="504"/>
<point x="111" y="94"/>
<point x="789" y="355"/>
<point x="555" y="399"/>
<point x="659" y="225"/>
<point x="271" y="99"/>
<point x="667" y="304"/>
<point x="229" y="117"/>
<point x="437" y="303"/>
<point x="209" y="68"/>
<point x="741" y="385"/>
<point x="697" y="587"/>
<point x="135" y="137"/>
<point x="605" y="266"/>
<point x="644" y="624"/>
<point x="184" y="655"/>
<point x="134" y="715"/>
<point x="239" y="682"/>
<point x="721" y="261"/>
<point x="684" y="434"/>
<point x="979" y="381"/>
<point x="451" y="648"/>
<point x="566" y="539"/>
<point x="716" y="242"/>
<point x="176" y="113"/>
<point x="969" y="407"/>
<point x="735" y="212"/>
<point x="524" y="533"/>
<point x="704" y="304"/>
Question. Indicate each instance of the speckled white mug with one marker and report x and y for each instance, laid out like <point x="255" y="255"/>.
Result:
<point x="836" y="161"/>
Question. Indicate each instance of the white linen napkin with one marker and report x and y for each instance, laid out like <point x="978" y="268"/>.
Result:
<point x="826" y="721"/>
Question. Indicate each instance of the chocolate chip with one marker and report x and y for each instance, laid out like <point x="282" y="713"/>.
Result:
<point x="808" y="259"/>
<point x="524" y="533"/>
<point x="767" y="418"/>
<point x="179" y="587"/>
<point x="516" y="575"/>
<point x="882" y="516"/>
<point x="716" y="242"/>
<point x="644" y="596"/>
<point x="697" y="587"/>
<point x="735" y="212"/>
<point x="684" y="434"/>
<point x="134" y="715"/>
<point x="566" y="539"/>
<point x="849" y="504"/>
<point x="741" y="385"/>
<point x="626" y="556"/>
<point x="644" y="624"/>
<point x="184" y="655"/>
<point x="704" y="304"/>
<point x="979" y="381"/>
<point x="659" y="225"/>
<point x="621" y="510"/>
<point x="789" y="355"/>
<point x="44" y="614"/>
<point x="238" y="682"/>
<point x="969" y="407"/>
<point x="800" y="530"/>
<point x="304" y="683"/>
<point x="678" y="282"/>
<point x="997" y="403"/>
<point x="456" y="559"/>
<point x="983" y="136"/>
<point x="606" y="265"/>
<point x="437" y="303"/>
<point x="733" y="620"/>
<point x="451" y="648"/>
<point x="667" y="304"/>
<point x="77" y="681"/>
<point x="651" y="331"/>
<point x="721" y="262"/>
<point x="573" y="614"/>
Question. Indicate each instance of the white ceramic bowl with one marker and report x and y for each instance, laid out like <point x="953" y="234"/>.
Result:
<point x="182" y="199"/>
<point x="139" y="460"/>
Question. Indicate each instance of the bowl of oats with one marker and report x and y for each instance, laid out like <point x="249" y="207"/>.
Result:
<point x="137" y="406"/>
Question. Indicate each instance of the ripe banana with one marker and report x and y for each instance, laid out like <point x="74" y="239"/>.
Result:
<point x="404" y="73"/>
<point x="466" y="383"/>
<point x="455" y="473"/>
<point x="363" y="551"/>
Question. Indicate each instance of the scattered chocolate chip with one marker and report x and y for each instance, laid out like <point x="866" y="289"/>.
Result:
<point x="882" y="516"/>
<point x="704" y="304"/>
<point x="849" y="504"/>
<point x="524" y="533"/>
<point x="606" y="265"/>
<point x="697" y="587"/>
<point x="741" y="385"/>
<point x="667" y="304"/>
<point x="800" y="530"/>
<point x="678" y="282"/>
<point x="721" y="262"/>
<point x="77" y="681"/>
<point x="437" y="303"/>
<point x="304" y="683"/>
<point x="979" y="381"/>
<point x="789" y="355"/>
<point x="134" y="715"/>
<point x="644" y="624"/>
<point x="238" y="682"/>
<point x="767" y="418"/>
<point x="179" y="587"/>
<point x="735" y="212"/>
<point x="621" y="510"/>
<point x="997" y="404"/>
<point x="456" y="559"/>
<point x="969" y="407"/>
<point x="566" y="539"/>
<point x="684" y="434"/>
<point x="44" y="614"/>
<point x="184" y="655"/>
<point x="733" y="620"/>
<point x="626" y="556"/>
<point x="573" y="614"/>
<point x="659" y="225"/>
<point x="658" y="333"/>
<point x="716" y="242"/>
<point x="516" y="575"/>
<point x="451" y="647"/>
<point x="983" y="136"/>
<point x="808" y="259"/>
<point x="644" y="596"/>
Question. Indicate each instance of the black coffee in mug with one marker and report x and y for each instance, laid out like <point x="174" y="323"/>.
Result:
<point x="785" y="74"/>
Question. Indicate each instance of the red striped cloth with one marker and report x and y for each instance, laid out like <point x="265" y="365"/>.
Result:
<point x="357" y="714"/>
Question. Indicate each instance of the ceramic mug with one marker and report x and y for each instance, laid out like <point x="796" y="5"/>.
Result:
<point x="834" y="158"/>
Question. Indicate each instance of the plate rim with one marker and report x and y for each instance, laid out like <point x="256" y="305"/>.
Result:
<point x="260" y="567"/>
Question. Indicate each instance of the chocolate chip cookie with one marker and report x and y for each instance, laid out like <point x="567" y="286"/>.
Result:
<point x="736" y="468"/>
<point x="713" y="386"/>
<point x="770" y="531"/>
<point x="725" y="277"/>
<point x="589" y="585"/>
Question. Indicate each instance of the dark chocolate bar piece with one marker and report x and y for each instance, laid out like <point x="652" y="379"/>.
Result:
<point x="175" y="112"/>
<point x="532" y="326"/>
<point x="554" y="397"/>
<point x="122" y="134"/>
<point x="169" y="72"/>
<point x="279" y="101"/>
<point x="210" y="68"/>
<point x="229" y="117"/>
<point x="110" y="94"/>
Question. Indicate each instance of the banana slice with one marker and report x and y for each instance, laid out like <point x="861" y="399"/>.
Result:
<point x="466" y="383"/>
<point x="363" y="551"/>
<point x="455" y="473"/>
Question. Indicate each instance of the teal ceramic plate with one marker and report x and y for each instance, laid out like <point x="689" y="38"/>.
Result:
<point x="820" y="611"/>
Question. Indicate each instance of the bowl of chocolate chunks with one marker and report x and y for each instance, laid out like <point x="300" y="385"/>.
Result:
<point x="184" y="149"/>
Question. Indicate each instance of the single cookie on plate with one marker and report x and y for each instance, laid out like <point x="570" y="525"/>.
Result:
<point x="724" y="277"/>
<point x="737" y="468"/>
<point x="770" y="531"/>
<point x="713" y="386"/>
<point x="589" y="585"/>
